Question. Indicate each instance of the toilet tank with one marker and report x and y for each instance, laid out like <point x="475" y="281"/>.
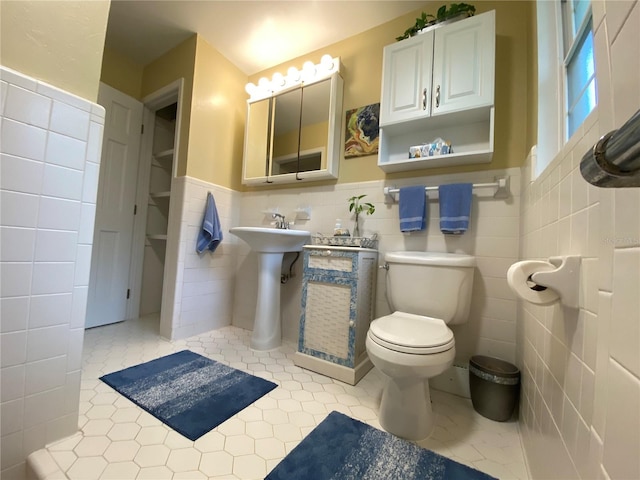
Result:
<point x="432" y="284"/>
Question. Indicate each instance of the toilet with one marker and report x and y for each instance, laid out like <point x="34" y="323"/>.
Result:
<point x="427" y="292"/>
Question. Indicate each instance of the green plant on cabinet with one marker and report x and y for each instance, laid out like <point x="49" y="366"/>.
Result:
<point x="443" y="14"/>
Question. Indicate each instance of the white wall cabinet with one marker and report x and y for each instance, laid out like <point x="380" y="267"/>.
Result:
<point x="338" y="299"/>
<point x="464" y="65"/>
<point x="439" y="84"/>
<point x="406" y="79"/>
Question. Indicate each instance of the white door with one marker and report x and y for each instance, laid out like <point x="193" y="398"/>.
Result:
<point x="113" y="232"/>
<point x="406" y="79"/>
<point x="464" y="64"/>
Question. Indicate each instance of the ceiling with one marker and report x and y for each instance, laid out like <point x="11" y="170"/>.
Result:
<point x="253" y="35"/>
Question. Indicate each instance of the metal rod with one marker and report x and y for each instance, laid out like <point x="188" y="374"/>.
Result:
<point x="391" y="191"/>
<point x="615" y="160"/>
<point x="501" y="185"/>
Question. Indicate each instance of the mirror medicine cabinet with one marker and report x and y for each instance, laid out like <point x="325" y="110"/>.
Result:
<point x="294" y="135"/>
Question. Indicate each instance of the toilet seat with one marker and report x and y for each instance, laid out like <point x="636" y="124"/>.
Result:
<point x="414" y="334"/>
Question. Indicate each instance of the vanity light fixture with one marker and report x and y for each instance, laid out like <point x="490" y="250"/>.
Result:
<point x="310" y="73"/>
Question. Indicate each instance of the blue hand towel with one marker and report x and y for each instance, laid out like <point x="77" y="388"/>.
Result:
<point x="413" y="208"/>
<point x="210" y="234"/>
<point x="455" y="207"/>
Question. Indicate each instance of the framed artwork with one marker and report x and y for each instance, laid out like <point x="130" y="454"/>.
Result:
<point x="361" y="137"/>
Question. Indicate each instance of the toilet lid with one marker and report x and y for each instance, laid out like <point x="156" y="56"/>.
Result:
<point x="405" y="332"/>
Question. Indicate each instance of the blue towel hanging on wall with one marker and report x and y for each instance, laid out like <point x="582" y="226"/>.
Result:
<point x="455" y="207"/>
<point x="210" y="234"/>
<point x="412" y="208"/>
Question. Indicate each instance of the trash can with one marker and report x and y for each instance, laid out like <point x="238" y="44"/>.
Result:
<point x="494" y="386"/>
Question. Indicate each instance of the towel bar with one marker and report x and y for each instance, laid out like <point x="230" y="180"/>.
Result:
<point x="501" y="185"/>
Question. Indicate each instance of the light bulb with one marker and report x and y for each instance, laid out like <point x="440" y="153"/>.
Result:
<point x="308" y="67"/>
<point x="277" y="79"/>
<point x="250" y="88"/>
<point x="264" y="83"/>
<point x="327" y="62"/>
<point x="293" y="74"/>
<point x="308" y="70"/>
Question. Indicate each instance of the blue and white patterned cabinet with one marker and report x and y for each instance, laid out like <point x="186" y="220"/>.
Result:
<point x="338" y="301"/>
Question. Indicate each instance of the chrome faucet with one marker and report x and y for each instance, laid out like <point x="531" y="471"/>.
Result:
<point x="281" y="223"/>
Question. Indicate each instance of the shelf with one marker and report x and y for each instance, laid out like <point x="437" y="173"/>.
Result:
<point x="164" y="155"/>
<point x="438" y="161"/>
<point x="155" y="195"/>
<point x="470" y="135"/>
<point x="162" y="237"/>
<point x="163" y="159"/>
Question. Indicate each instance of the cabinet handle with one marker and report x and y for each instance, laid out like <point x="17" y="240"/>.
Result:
<point x="424" y="99"/>
<point x="437" y="96"/>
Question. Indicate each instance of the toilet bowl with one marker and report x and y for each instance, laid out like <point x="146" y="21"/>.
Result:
<point x="411" y="347"/>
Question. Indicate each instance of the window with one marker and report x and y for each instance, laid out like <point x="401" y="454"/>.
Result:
<point x="578" y="62"/>
<point x="566" y="74"/>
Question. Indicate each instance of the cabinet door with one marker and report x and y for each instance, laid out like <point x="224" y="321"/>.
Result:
<point x="406" y="79"/>
<point x="464" y="64"/>
<point x="257" y="141"/>
<point x="327" y="324"/>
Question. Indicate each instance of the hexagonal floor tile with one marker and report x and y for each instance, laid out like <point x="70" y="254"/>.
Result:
<point x="239" y="445"/>
<point x="153" y="435"/>
<point x="184" y="460"/>
<point x="122" y="451"/>
<point x="120" y="471"/>
<point x="91" y="446"/>
<point x="88" y="468"/>
<point x="120" y="440"/>
<point x="152" y="455"/>
<point x="250" y="466"/>
<point x="216" y="464"/>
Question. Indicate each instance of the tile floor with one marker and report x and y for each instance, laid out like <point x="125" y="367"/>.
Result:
<point x="118" y="440"/>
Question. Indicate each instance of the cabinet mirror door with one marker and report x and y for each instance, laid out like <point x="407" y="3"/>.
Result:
<point x="286" y="132"/>
<point x="257" y="149"/>
<point x="314" y="126"/>
<point x="294" y="135"/>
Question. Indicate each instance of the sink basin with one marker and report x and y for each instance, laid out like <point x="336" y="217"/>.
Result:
<point x="270" y="245"/>
<point x="274" y="240"/>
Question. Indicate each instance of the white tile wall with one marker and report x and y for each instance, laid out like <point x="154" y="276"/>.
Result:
<point x="581" y="370"/>
<point x="203" y="291"/>
<point x="492" y="238"/>
<point x="49" y="158"/>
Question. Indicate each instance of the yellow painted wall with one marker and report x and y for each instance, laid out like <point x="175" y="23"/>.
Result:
<point x="177" y="63"/>
<point x="57" y="42"/>
<point x="361" y="57"/>
<point x="121" y="73"/>
<point x="218" y="113"/>
<point x="213" y="105"/>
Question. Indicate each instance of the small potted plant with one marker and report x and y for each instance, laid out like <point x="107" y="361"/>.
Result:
<point x="442" y="15"/>
<point x="357" y="207"/>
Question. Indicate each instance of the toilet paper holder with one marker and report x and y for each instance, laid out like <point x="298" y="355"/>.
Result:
<point x="565" y="279"/>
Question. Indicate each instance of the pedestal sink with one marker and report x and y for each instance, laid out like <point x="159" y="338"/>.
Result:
<point x="270" y="244"/>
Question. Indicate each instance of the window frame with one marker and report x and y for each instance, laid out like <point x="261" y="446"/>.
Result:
<point x="553" y="82"/>
<point x="574" y="37"/>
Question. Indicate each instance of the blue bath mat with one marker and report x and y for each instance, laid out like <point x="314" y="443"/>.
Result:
<point x="341" y="448"/>
<point x="190" y="393"/>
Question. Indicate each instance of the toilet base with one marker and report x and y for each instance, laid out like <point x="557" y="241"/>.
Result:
<point x="405" y="408"/>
